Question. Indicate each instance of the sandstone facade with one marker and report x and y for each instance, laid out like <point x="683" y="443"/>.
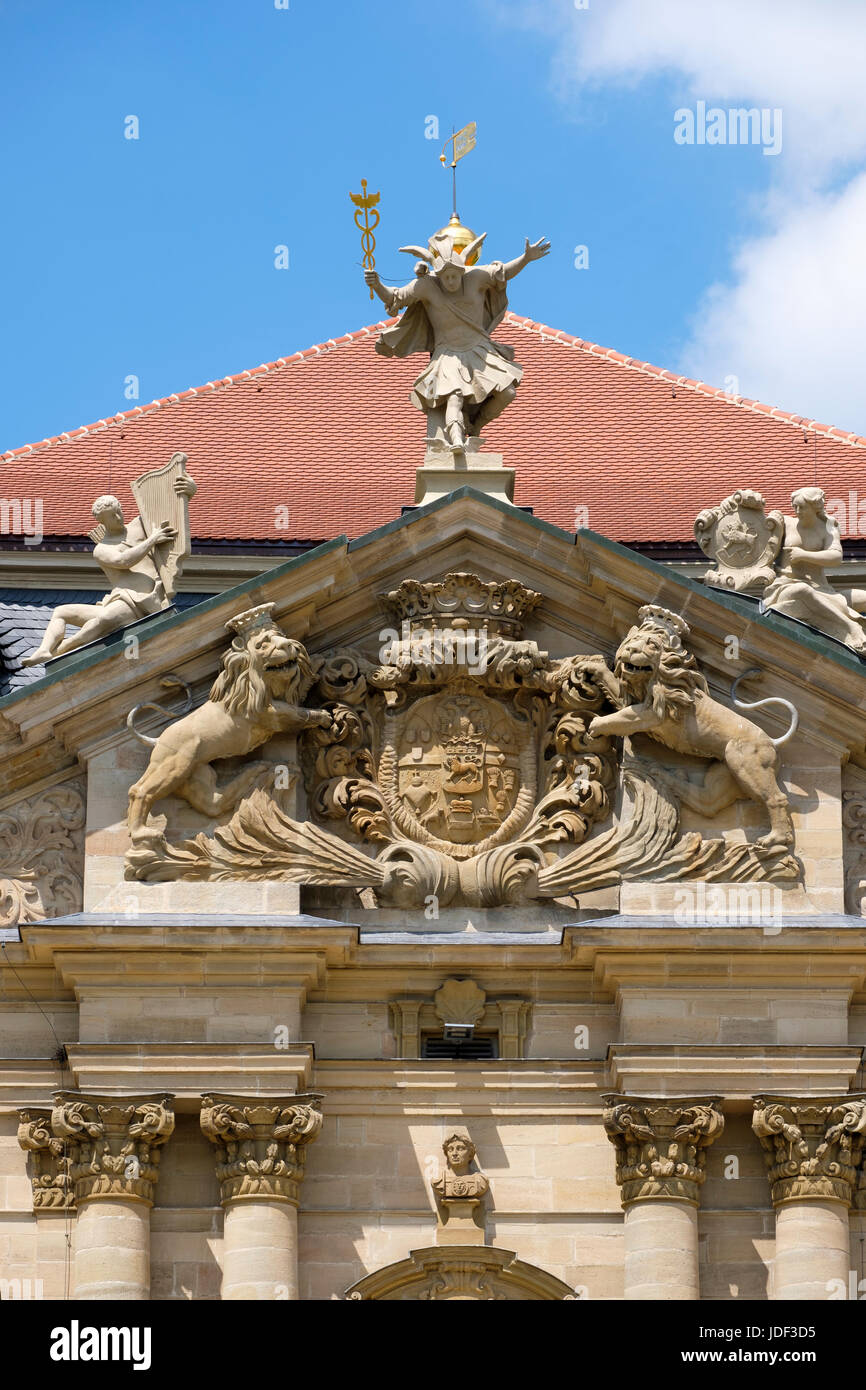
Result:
<point x="232" y="1046"/>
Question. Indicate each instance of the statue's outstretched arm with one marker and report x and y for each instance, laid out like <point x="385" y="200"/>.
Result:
<point x="392" y="298"/>
<point x="532" y="252"/>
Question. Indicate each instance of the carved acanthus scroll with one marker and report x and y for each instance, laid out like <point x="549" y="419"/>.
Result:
<point x="42" y="855"/>
<point x="260" y="1144"/>
<point x="49" y="1163"/>
<point x="812" y="1148"/>
<point x="113" y="1142"/>
<point x="661" y="1145"/>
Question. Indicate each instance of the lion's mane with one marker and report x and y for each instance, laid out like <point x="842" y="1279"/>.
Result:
<point x="245" y="687"/>
<point x="676" y="680"/>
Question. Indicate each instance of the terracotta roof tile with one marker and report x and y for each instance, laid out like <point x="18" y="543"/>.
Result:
<point x="328" y="433"/>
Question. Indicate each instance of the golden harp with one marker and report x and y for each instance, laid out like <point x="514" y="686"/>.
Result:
<point x="159" y="504"/>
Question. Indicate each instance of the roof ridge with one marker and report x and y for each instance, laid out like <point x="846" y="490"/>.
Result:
<point x="249" y="374"/>
<point x="701" y="388"/>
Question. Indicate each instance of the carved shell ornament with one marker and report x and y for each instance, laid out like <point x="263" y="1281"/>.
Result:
<point x="465" y="763"/>
<point x="459" y="1002"/>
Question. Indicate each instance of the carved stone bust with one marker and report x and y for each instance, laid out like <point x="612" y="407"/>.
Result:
<point x="457" y="1180"/>
<point x="460" y="1190"/>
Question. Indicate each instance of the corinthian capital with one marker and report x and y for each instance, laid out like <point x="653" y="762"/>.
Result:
<point x="260" y="1144"/>
<point x="112" y="1142"/>
<point x="661" y="1145"/>
<point x="49" y="1161"/>
<point x="812" y="1147"/>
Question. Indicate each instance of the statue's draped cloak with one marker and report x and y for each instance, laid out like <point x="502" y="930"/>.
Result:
<point x="475" y="371"/>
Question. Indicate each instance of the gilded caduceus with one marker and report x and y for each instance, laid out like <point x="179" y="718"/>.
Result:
<point x="365" y="206"/>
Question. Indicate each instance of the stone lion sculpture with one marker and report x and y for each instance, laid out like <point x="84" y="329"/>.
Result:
<point x="659" y="691"/>
<point x="264" y="676"/>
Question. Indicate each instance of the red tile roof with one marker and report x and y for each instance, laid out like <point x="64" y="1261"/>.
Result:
<point x="329" y="434"/>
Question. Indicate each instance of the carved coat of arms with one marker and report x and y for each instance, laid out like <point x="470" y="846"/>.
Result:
<point x="464" y="765"/>
<point x="459" y="773"/>
<point x="459" y="754"/>
<point x="743" y="541"/>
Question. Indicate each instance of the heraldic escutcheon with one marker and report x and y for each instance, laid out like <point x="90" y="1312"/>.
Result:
<point x="466" y="764"/>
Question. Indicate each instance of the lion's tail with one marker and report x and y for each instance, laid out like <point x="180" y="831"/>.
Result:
<point x="761" y="704"/>
<point x="169" y="682"/>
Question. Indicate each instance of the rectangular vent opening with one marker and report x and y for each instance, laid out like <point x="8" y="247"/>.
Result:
<point x="479" y="1048"/>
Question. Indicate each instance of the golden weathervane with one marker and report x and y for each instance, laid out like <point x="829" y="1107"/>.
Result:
<point x="365" y="204"/>
<point x="461" y="141"/>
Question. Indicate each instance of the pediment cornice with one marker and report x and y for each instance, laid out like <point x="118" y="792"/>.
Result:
<point x="330" y="597"/>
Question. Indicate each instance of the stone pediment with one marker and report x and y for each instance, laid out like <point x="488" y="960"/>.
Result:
<point x="590" y="587"/>
<point x="452" y="723"/>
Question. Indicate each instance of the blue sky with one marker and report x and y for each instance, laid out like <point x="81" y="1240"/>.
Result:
<point x="155" y="257"/>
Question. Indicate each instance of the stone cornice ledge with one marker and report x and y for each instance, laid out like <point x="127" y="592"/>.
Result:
<point x="735" y="1072"/>
<point x="295" y="951"/>
<point x="189" y="1068"/>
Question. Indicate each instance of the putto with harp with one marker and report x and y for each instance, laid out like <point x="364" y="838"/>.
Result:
<point x="452" y="307"/>
<point x="141" y="561"/>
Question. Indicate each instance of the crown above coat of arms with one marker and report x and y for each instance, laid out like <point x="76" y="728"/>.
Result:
<point x="463" y="600"/>
<point x="464" y="742"/>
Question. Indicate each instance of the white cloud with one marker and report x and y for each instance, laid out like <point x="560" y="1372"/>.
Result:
<point x="803" y="56"/>
<point x="790" y="325"/>
<point x="790" y="321"/>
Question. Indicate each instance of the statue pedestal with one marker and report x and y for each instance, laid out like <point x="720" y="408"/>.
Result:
<point x="459" y="1222"/>
<point x="444" y="471"/>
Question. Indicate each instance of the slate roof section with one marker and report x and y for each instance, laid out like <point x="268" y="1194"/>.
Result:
<point x="22" y="622"/>
<point x="24" y="615"/>
<point x="325" y="441"/>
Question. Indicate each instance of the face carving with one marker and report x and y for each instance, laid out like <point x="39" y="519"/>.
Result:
<point x="637" y="661"/>
<point x="809" y="504"/>
<point x="450" y="278"/>
<point x="271" y="650"/>
<point x="459" y="1152"/>
<point x="268" y="665"/>
<point x="107" y="509"/>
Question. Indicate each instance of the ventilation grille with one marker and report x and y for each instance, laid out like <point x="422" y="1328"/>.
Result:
<point x="475" y="1049"/>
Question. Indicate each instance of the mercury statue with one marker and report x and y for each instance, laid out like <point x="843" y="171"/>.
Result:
<point x="452" y="307"/>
